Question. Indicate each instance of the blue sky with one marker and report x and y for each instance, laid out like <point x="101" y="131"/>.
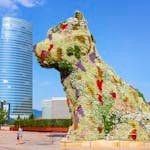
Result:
<point x="121" y="30"/>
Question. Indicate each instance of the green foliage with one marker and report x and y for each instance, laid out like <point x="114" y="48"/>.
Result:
<point x="38" y="59"/>
<point x="65" y="65"/>
<point x="41" y="62"/>
<point x="141" y="95"/>
<point x="80" y="38"/>
<point x="93" y="39"/>
<point x="31" y="117"/>
<point x="79" y="15"/>
<point x="18" y="117"/>
<point x="53" y="63"/>
<point x="76" y="51"/>
<point x="106" y="108"/>
<point x="108" y="123"/>
<point x="70" y="51"/>
<point x="57" y="27"/>
<point x="3" y="116"/>
<point x="43" y="123"/>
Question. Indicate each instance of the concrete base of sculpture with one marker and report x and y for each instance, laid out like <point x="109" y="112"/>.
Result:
<point x="104" y="145"/>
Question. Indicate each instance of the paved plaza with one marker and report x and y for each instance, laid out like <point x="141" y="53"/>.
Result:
<point x="31" y="141"/>
<point x="51" y="141"/>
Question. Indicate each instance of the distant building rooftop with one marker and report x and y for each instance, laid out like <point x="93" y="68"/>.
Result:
<point x="58" y="98"/>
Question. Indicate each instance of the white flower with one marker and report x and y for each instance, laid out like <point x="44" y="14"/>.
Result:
<point x="72" y="21"/>
<point x="45" y="62"/>
<point x="83" y="23"/>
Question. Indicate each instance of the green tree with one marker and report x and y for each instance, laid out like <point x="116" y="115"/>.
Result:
<point x="18" y="117"/>
<point x="31" y="117"/>
<point x="3" y="116"/>
<point x="17" y="121"/>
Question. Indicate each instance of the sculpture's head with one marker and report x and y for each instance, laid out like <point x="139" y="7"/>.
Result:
<point x="65" y="44"/>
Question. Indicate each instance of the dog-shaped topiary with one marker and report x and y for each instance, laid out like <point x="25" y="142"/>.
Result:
<point x="102" y="105"/>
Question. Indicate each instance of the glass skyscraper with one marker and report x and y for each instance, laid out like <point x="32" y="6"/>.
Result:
<point x="16" y="66"/>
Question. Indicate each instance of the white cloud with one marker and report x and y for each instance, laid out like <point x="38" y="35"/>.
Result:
<point x="29" y="3"/>
<point x="10" y="7"/>
<point x="8" y="4"/>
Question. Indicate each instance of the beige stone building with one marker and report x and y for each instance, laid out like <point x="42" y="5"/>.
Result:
<point x="55" y="108"/>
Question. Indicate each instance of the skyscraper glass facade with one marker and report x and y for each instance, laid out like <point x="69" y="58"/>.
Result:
<point x="16" y="66"/>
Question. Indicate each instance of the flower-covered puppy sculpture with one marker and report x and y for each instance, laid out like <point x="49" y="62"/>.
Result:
<point x="101" y="104"/>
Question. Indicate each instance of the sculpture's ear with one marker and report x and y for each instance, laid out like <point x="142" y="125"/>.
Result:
<point x="79" y="15"/>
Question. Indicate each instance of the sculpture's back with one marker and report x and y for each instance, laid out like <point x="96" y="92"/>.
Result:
<point x="102" y="105"/>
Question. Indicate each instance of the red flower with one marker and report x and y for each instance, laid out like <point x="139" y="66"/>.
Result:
<point x="43" y="55"/>
<point x="113" y="94"/>
<point x="99" y="84"/>
<point x="100" y="129"/>
<point x="64" y="26"/>
<point x="67" y="101"/>
<point x="133" y="137"/>
<point x="134" y="131"/>
<point x="50" y="47"/>
<point x="100" y="99"/>
<point x="133" y="134"/>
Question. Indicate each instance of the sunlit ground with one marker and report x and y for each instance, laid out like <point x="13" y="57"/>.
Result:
<point x="31" y="141"/>
<point x="51" y="141"/>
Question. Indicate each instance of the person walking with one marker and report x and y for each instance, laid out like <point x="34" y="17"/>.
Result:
<point x="19" y="135"/>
